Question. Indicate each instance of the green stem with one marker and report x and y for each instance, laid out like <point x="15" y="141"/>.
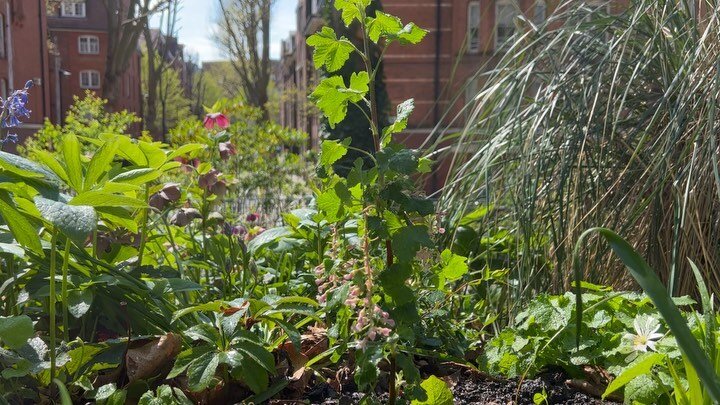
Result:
<point x="373" y="101"/>
<point x="51" y="304"/>
<point x="63" y="293"/>
<point x="143" y="230"/>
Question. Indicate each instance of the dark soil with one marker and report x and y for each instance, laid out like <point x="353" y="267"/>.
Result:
<point x="474" y="390"/>
<point x="471" y="388"/>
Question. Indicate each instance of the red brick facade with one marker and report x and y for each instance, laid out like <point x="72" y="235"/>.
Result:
<point x="438" y="73"/>
<point x="23" y="56"/>
<point x="76" y="66"/>
<point x="464" y="39"/>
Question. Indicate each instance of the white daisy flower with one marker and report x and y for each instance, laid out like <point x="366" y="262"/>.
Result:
<point x="646" y="334"/>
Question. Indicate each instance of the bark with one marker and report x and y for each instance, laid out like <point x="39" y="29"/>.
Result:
<point x="245" y="38"/>
<point x="127" y="20"/>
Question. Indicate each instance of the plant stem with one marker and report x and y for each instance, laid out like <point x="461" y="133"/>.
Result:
<point x="63" y="292"/>
<point x="51" y="305"/>
<point x="373" y="101"/>
<point x="143" y="230"/>
<point x="391" y="381"/>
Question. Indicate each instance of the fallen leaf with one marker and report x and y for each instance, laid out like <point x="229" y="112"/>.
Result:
<point x="147" y="360"/>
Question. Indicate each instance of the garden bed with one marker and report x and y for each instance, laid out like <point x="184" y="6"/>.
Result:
<point x="473" y="388"/>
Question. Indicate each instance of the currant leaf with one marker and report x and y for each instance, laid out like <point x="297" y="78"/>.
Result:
<point x="329" y="51"/>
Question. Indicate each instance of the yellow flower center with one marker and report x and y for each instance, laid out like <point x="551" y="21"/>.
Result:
<point x="640" y="341"/>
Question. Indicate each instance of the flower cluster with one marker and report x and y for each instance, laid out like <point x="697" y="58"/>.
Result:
<point x="332" y="281"/>
<point x="14" y="108"/>
<point x="213" y="183"/>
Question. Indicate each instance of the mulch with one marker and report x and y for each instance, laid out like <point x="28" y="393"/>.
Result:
<point x="470" y="387"/>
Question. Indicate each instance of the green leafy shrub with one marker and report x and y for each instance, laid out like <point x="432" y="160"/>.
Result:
<point x="86" y="117"/>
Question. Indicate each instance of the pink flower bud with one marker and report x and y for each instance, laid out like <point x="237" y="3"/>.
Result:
<point x="372" y="334"/>
<point x="227" y="149"/>
<point x="384" y="331"/>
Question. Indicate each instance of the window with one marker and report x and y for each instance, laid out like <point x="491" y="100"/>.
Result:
<point x="473" y="27"/>
<point x="90" y="79"/>
<point x="72" y="9"/>
<point x="540" y="12"/>
<point x="505" y="13"/>
<point x="89" y="44"/>
<point x="3" y="45"/>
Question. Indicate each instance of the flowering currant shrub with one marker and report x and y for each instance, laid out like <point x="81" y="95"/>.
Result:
<point x="370" y="236"/>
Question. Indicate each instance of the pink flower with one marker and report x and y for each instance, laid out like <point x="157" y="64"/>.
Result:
<point x="252" y="217"/>
<point x="216" y="119"/>
<point x="227" y="149"/>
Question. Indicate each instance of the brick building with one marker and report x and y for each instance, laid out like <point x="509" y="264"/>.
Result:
<point x="78" y="31"/>
<point x="23" y="57"/>
<point x="464" y="37"/>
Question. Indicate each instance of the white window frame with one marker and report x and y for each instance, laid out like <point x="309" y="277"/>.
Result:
<point x="473" y="27"/>
<point x="92" y="44"/>
<point x="74" y="9"/>
<point x="540" y="8"/>
<point x="498" y="4"/>
<point x="86" y="79"/>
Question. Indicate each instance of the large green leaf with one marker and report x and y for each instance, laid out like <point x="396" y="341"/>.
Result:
<point x="100" y="163"/>
<point x="137" y="176"/>
<point x="202" y="370"/>
<point x="351" y="9"/>
<point x="329" y="51"/>
<point x="249" y="345"/>
<point x="76" y="222"/>
<point x="253" y="376"/>
<point x="28" y="169"/>
<point x="71" y="154"/>
<point x="391" y="28"/>
<point x="332" y="96"/>
<point x="408" y="241"/>
<point x="185" y="149"/>
<point x="437" y="392"/>
<point x="15" y="330"/>
<point x="267" y="237"/>
<point x="21" y="228"/>
<point x="641" y="367"/>
<point x="454" y="266"/>
<point x="653" y="287"/>
<point x="331" y="151"/>
<point x="102" y="199"/>
<point x="153" y="153"/>
<point x="79" y="302"/>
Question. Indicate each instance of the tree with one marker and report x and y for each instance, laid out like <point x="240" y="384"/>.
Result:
<point x="127" y="19"/>
<point x="158" y="59"/>
<point x="170" y="102"/>
<point x="245" y="38"/>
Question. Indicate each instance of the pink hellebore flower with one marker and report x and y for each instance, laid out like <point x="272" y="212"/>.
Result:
<point x="211" y="120"/>
<point x="227" y="149"/>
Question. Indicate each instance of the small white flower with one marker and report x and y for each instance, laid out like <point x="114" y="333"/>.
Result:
<point x="645" y="337"/>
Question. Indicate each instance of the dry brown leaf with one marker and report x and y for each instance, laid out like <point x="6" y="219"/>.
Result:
<point x="147" y="360"/>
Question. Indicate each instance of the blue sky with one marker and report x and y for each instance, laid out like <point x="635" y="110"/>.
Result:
<point x="197" y="23"/>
